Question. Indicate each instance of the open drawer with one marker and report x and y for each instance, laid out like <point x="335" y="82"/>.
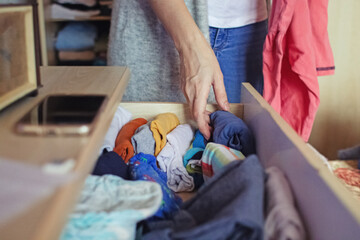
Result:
<point x="328" y="210"/>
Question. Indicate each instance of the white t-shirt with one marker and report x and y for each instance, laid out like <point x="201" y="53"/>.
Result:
<point x="235" y="13"/>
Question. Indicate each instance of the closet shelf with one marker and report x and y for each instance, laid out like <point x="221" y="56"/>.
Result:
<point x="95" y="18"/>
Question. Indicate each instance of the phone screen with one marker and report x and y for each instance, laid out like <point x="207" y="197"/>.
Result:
<point x="61" y="111"/>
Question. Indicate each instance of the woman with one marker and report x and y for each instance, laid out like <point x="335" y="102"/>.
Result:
<point x="174" y="53"/>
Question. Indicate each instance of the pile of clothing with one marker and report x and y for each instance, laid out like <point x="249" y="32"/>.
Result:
<point x="143" y="165"/>
<point x="81" y="44"/>
<point x="72" y="9"/>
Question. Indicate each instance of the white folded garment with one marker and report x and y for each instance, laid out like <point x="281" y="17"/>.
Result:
<point x="170" y="158"/>
<point x="88" y="3"/>
<point x="55" y="11"/>
<point x="121" y="117"/>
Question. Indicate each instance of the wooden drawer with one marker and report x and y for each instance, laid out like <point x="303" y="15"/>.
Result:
<point x="328" y="210"/>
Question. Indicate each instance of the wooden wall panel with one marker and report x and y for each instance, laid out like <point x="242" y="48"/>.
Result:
<point x="337" y="123"/>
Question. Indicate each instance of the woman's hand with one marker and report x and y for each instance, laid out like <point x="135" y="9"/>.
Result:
<point x="199" y="70"/>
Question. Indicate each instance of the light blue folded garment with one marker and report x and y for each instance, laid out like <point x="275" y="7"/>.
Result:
<point x="76" y="36"/>
<point x="110" y="207"/>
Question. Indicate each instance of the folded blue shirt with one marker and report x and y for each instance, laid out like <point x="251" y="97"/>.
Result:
<point x="231" y="131"/>
<point x="76" y="36"/>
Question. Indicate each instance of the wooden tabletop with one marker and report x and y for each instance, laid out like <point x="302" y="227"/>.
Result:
<point x="46" y="219"/>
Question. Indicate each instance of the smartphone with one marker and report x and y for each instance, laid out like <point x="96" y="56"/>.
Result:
<point x="62" y="115"/>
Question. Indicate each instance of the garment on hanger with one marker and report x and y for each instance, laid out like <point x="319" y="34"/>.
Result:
<point x="296" y="51"/>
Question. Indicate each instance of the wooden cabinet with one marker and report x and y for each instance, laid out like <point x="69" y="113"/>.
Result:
<point x="53" y="25"/>
<point x="321" y="199"/>
<point x="44" y="219"/>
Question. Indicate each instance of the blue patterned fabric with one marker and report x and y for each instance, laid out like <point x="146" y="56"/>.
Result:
<point x="143" y="167"/>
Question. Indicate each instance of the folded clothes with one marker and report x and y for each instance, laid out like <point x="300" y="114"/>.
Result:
<point x="160" y="127"/>
<point x="194" y="166"/>
<point x="121" y="117"/>
<point x="76" y="36"/>
<point x="199" y="140"/>
<point x="216" y="156"/>
<point x="56" y="11"/>
<point x="228" y="206"/>
<point x="143" y="140"/>
<point x="143" y="167"/>
<point x="351" y="153"/>
<point x="231" y="131"/>
<point x="123" y="145"/>
<point x="282" y="219"/>
<point x="89" y="3"/>
<point x="195" y="171"/>
<point x="87" y="55"/>
<point x="110" y="207"/>
<point x="170" y="159"/>
<point x="79" y="6"/>
<point x="197" y="145"/>
<point x="111" y="163"/>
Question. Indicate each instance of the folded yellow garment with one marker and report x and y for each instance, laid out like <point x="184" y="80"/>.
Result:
<point x="160" y="127"/>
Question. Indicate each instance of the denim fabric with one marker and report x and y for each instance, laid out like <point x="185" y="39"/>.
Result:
<point x="239" y="52"/>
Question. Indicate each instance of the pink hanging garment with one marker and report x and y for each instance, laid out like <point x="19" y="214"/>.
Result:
<point x="296" y="51"/>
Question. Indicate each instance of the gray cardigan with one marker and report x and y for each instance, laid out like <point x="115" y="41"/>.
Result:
<point x="138" y="40"/>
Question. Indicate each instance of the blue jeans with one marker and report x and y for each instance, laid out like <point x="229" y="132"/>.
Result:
<point x="239" y="53"/>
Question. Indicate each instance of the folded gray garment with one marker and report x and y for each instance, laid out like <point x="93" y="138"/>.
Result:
<point x="143" y="140"/>
<point x="228" y="206"/>
<point x="282" y="220"/>
<point x="351" y="153"/>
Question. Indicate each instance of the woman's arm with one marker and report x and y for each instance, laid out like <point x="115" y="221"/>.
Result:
<point x="199" y="68"/>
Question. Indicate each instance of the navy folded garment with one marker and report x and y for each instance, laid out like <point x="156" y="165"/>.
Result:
<point x="228" y="206"/>
<point x="231" y="131"/>
<point x="143" y="167"/>
<point x="351" y="153"/>
<point x="111" y="163"/>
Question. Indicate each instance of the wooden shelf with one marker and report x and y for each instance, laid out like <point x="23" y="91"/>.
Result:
<point x="95" y="18"/>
